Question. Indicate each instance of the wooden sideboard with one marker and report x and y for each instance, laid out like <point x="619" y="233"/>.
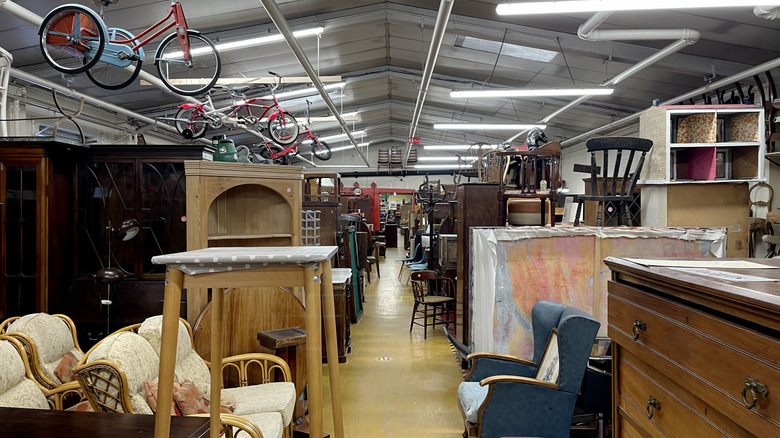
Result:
<point x="695" y="354"/>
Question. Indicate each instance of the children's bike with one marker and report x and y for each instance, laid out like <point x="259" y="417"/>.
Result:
<point x="193" y="119"/>
<point x="320" y="149"/>
<point x="74" y="39"/>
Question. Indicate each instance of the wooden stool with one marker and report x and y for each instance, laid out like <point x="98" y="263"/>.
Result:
<point x="284" y="343"/>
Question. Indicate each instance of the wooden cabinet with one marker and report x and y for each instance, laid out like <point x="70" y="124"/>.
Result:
<point x="238" y="204"/>
<point x="698" y="171"/>
<point x="36" y="196"/>
<point x="477" y="205"/>
<point x="694" y="355"/>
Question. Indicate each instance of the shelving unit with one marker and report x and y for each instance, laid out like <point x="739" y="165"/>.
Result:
<point x="699" y="171"/>
<point x="704" y="143"/>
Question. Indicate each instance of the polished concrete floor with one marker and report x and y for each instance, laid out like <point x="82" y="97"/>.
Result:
<point x="395" y="383"/>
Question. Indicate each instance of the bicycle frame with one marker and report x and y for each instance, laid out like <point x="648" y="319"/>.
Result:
<point x="222" y="114"/>
<point x="293" y="147"/>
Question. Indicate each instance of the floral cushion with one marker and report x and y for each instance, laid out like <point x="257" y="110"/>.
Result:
<point x="64" y="370"/>
<point x="150" y="389"/>
<point x="83" y="406"/>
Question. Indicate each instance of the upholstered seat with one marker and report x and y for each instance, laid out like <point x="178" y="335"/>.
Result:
<point x="52" y="350"/>
<point x="502" y="395"/>
<point x="17" y="387"/>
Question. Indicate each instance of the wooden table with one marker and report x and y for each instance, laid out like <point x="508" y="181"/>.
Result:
<point x="65" y="424"/>
<point x="293" y="266"/>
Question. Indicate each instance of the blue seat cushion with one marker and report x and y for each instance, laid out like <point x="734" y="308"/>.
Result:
<point x="470" y="397"/>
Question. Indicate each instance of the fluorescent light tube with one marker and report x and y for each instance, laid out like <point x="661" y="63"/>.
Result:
<point x="484" y="126"/>
<point x="344" y="148"/>
<point x="533" y="92"/>
<point x="553" y="7"/>
<point x="336" y="137"/>
<point x="304" y="91"/>
<point x="251" y="42"/>
<point x="442" y="166"/>
<point x="458" y="147"/>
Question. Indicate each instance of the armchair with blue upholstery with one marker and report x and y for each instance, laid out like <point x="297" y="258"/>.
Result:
<point x="501" y="397"/>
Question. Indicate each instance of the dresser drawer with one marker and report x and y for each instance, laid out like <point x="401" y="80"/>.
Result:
<point x="708" y="356"/>
<point x="659" y="406"/>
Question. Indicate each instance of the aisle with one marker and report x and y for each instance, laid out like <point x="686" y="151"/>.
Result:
<point x="413" y="393"/>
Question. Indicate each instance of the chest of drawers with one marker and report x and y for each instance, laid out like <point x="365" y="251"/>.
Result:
<point x="695" y="355"/>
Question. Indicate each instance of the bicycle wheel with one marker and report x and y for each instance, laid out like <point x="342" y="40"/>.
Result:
<point x="270" y="150"/>
<point x="72" y="39"/>
<point x="195" y="77"/>
<point x="191" y="119"/>
<point x="321" y="150"/>
<point x="283" y="128"/>
<point x="112" y="77"/>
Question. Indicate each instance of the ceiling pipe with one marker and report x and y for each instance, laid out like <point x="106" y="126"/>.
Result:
<point x="768" y="13"/>
<point x="20" y="12"/>
<point x="445" y="8"/>
<point x="588" y="31"/>
<point x="284" y="28"/>
<point x="691" y="94"/>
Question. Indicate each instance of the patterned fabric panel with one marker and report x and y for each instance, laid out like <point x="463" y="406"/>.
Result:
<point x="134" y="356"/>
<point x="698" y="128"/>
<point x="471" y="396"/>
<point x="139" y="404"/>
<point x="744" y="127"/>
<point x="25" y="394"/>
<point x="268" y="397"/>
<point x="151" y="330"/>
<point x="11" y="367"/>
<point x="270" y="424"/>
<point x="51" y="336"/>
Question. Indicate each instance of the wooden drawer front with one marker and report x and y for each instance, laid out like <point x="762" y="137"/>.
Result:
<point x="681" y="414"/>
<point x="708" y="356"/>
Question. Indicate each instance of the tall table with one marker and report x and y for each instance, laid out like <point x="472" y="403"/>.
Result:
<point x="293" y="266"/>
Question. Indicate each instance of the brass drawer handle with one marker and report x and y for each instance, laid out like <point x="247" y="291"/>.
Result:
<point x="652" y="406"/>
<point x="638" y="325"/>
<point x="755" y="388"/>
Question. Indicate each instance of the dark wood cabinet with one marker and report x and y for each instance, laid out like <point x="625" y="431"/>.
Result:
<point x="477" y="205"/>
<point x="36" y="192"/>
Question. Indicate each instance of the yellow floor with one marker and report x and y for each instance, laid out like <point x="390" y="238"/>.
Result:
<point x="414" y="393"/>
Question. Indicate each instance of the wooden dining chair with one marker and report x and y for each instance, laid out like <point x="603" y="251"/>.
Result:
<point x="434" y="300"/>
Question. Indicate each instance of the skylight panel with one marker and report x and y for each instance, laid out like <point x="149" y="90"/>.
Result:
<point x="514" y="50"/>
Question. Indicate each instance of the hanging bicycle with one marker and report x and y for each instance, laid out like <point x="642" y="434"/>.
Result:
<point x="193" y="119"/>
<point x="74" y="39"/>
<point x="319" y="148"/>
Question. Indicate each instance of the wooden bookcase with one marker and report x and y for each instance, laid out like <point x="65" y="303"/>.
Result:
<point x="239" y="204"/>
<point x="698" y="172"/>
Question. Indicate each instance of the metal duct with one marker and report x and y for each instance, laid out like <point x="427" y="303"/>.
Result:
<point x="697" y="92"/>
<point x="445" y="8"/>
<point x="284" y="28"/>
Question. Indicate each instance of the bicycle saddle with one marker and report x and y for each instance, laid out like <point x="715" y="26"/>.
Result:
<point x="241" y="90"/>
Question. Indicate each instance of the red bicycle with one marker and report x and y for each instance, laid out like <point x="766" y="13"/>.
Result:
<point x="193" y="119"/>
<point x="281" y="155"/>
<point x="74" y="39"/>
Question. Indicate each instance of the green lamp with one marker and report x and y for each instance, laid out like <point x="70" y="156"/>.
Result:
<point x="224" y="149"/>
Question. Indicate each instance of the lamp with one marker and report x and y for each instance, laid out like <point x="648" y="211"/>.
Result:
<point x="109" y="275"/>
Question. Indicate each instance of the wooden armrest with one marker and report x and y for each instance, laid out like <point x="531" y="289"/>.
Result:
<point x="478" y="355"/>
<point x="517" y="379"/>
<point x="238" y="421"/>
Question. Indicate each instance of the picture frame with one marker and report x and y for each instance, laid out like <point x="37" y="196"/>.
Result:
<point x="549" y="366"/>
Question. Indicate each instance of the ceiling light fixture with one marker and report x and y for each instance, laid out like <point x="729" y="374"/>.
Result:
<point x="552" y="7"/>
<point x="459" y="147"/>
<point x="222" y="47"/>
<point x="336" y="137"/>
<point x="304" y="91"/>
<point x="453" y="158"/>
<point x="442" y="166"/>
<point x="530" y="92"/>
<point x="344" y="148"/>
<point x="484" y="126"/>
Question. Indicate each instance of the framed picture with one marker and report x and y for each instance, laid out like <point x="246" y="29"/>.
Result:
<point x="549" y="366"/>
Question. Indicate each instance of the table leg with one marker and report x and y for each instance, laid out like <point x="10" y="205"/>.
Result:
<point x="217" y="324"/>
<point x="313" y="351"/>
<point x="329" y="313"/>
<point x="170" y="330"/>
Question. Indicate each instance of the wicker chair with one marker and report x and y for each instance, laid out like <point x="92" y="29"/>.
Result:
<point x="46" y="340"/>
<point x="113" y="373"/>
<point x="18" y="387"/>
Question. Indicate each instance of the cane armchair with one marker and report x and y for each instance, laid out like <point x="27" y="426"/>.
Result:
<point x="52" y="349"/>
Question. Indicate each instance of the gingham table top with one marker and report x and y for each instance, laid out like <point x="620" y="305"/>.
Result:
<point x="224" y="259"/>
